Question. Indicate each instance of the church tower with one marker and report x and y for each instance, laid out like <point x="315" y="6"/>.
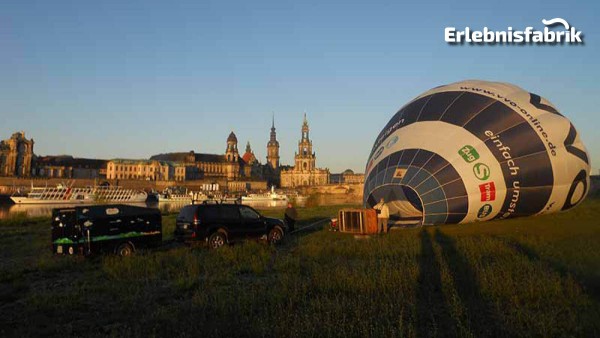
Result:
<point x="304" y="172"/>
<point x="273" y="148"/>
<point x="232" y="153"/>
<point x="305" y="158"/>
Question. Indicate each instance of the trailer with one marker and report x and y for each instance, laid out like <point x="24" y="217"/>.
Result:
<point x="119" y="229"/>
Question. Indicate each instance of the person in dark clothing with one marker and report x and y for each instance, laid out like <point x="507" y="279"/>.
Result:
<point x="291" y="215"/>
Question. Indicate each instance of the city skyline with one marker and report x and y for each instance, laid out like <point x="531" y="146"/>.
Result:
<point x="241" y="145"/>
<point x="130" y="80"/>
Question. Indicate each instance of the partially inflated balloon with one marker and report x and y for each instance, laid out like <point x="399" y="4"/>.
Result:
<point x="476" y="151"/>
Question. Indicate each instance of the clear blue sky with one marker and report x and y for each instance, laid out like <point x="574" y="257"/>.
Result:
<point x="130" y="79"/>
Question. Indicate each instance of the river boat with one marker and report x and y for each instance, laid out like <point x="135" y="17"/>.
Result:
<point x="62" y="194"/>
<point x="269" y="196"/>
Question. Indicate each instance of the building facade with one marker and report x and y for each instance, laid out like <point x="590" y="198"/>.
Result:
<point x="66" y="166"/>
<point x="150" y="170"/>
<point x="16" y="155"/>
<point x="243" y="185"/>
<point x="229" y="166"/>
<point x="305" y="171"/>
<point x="348" y="176"/>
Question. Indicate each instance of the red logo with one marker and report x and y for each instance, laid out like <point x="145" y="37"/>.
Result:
<point x="488" y="191"/>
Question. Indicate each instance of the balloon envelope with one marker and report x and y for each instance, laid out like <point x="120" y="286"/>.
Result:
<point x="476" y="151"/>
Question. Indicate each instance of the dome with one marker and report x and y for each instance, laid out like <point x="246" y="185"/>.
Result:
<point x="248" y="157"/>
<point x="232" y="138"/>
<point x="348" y="172"/>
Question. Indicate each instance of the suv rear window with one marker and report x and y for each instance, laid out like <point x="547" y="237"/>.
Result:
<point x="209" y="213"/>
<point x="187" y="213"/>
<point x="229" y="213"/>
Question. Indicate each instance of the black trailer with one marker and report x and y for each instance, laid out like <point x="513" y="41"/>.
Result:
<point x="119" y="229"/>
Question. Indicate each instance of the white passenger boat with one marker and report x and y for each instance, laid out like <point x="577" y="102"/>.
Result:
<point x="294" y="195"/>
<point x="68" y="195"/>
<point x="118" y="194"/>
<point x="199" y="197"/>
<point x="174" y="198"/>
<point x="221" y="198"/>
<point x="269" y="196"/>
<point x="175" y="195"/>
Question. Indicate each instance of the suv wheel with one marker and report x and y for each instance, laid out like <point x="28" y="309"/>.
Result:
<point x="217" y="240"/>
<point x="125" y="249"/>
<point x="275" y="235"/>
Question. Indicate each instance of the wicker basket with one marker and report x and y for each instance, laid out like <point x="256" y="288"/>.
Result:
<point x="358" y="221"/>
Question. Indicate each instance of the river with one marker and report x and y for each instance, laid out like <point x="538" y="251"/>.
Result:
<point x="45" y="210"/>
<point x="9" y="210"/>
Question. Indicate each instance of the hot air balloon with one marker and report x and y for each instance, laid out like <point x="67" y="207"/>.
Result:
<point x="476" y="151"/>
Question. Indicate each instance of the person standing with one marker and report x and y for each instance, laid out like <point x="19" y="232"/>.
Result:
<point x="383" y="214"/>
<point x="291" y="215"/>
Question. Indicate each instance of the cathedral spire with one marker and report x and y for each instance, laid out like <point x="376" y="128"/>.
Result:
<point x="305" y="129"/>
<point x="273" y="147"/>
<point x="273" y="137"/>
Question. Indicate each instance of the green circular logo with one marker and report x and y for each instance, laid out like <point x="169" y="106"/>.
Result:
<point x="485" y="210"/>
<point x="481" y="171"/>
<point x="392" y="141"/>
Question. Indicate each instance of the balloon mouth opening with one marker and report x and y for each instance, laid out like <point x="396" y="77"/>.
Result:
<point x="405" y="205"/>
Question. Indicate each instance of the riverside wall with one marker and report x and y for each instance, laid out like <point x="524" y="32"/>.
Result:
<point x="335" y="193"/>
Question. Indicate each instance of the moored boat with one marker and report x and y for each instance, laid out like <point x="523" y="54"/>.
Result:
<point x="62" y="194"/>
<point x="175" y="195"/>
<point x="55" y="195"/>
<point x="118" y="194"/>
<point x="198" y="197"/>
<point x="270" y="196"/>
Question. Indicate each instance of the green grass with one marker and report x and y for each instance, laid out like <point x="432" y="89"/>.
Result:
<point x="526" y="277"/>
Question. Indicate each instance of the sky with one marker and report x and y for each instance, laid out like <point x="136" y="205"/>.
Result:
<point x="129" y="79"/>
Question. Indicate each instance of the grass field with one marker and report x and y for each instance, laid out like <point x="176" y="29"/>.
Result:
<point x="525" y="277"/>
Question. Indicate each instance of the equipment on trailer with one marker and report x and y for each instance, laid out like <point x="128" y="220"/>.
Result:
<point x="119" y="229"/>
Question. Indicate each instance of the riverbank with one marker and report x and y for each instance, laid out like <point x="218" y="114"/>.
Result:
<point x="536" y="276"/>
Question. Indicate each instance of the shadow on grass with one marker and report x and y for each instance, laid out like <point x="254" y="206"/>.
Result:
<point x="589" y="282"/>
<point x="291" y="241"/>
<point x="433" y="317"/>
<point x="478" y="311"/>
<point x="303" y="228"/>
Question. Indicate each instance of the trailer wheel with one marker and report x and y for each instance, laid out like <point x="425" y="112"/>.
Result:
<point x="125" y="249"/>
<point x="217" y="239"/>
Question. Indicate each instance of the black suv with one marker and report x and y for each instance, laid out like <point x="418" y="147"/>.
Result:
<point x="219" y="224"/>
